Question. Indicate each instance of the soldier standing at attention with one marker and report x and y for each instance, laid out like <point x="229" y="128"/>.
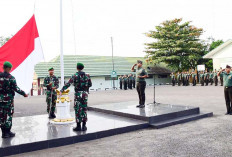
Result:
<point x="179" y="78"/>
<point x="202" y="77"/>
<point x="52" y="83"/>
<point x="215" y="77"/>
<point x="227" y="79"/>
<point x="187" y="78"/>
<point x="183" y="78"/>
<point x="8" y="87"/>
<point x="120" y="81"/>
<point x="221" y="77"/>
<point x="194" y="78"/>
<point x="141" y="74"/>
<point x="133" y="81"/>
<point x="125" y="82"/>
<point x="206" y="78"/>
<point x="211" y="77"/>
<point x="173" y="79"/>
<point x="80" y="82"/>
<point x="130" y="81"/>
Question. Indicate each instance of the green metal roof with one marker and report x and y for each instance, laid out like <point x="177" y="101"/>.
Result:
<point x="94" y="65"/>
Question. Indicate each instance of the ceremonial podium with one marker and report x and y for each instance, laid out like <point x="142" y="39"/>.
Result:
<point x="63" y="109"/>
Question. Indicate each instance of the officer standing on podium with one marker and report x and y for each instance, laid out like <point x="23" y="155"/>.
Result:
<point x="227" y="80"/>
<point x="141" y="74"/>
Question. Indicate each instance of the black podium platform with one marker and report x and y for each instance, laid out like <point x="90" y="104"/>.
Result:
<point x="158" y="116"/>
<point x="35" y="132"/>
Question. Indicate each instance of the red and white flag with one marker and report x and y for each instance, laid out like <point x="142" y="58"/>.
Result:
<point x="24" y="51"/>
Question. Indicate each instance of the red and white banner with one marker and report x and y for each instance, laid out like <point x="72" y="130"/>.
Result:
<point x="24" y="51"/>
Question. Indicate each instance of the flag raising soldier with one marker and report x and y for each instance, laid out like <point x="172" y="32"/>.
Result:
<point x="80" y="81"/>
<point x="51" y="82"/>
<point x="8" y="87"/>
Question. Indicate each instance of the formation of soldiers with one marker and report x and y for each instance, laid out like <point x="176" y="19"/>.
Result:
<point x="205" y="78"/>
<point x="127" y="81"/>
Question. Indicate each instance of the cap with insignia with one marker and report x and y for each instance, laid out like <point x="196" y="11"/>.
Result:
<point x="227" y="66"/>
<point x="51" y="68"/>
<point x="139" y="61"/>
<point x="7" y="64"/>
<point x="80" y="66"/>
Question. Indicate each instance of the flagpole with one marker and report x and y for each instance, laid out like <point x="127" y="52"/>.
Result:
<point x="61" y="47"/>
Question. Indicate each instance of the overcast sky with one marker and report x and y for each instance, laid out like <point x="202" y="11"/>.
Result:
<point x="95" y="21"/>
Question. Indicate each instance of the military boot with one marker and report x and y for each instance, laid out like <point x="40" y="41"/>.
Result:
<point x="84" y="128"/>
<point x="8" y="133"/>
<point x="3" y="132"/>
<point x="53" y="115"/>
<point x="78" y="128"/>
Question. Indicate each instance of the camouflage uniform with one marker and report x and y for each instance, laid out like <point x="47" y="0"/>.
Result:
<point x="8" y="87"/>
<point x="51" y="95"/>
<point x="81" y="83"/>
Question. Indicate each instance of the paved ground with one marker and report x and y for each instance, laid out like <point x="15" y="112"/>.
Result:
<point x="210" y="137"/>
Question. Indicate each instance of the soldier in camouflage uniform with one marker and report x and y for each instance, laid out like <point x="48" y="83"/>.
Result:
<point x="8" y="87"/>
<point x="52" y="83"/>
<point x="202" y="76"/>
<point x="81" y="83"/>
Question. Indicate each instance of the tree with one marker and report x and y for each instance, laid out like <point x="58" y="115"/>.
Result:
<point x="3" y="40"/>
<point x="177" y="44"/>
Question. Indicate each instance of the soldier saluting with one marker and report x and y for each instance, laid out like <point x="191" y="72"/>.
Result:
<point x="80" y="82"/>
<point x="8" y="87"/>
<point x="52" y="83"/>
<point x="227" y="80"/>
<point x="141" y="74"/>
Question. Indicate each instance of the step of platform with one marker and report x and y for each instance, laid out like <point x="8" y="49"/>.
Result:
<point x="180" y="120"/>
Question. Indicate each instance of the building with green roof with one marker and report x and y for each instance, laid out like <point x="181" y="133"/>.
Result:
<point x="98" y="67"/>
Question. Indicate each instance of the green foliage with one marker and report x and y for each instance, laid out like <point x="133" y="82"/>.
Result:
<point x="3" y="40"/>
<point x="177" y="44"/>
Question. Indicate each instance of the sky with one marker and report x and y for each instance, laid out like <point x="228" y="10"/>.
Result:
<point x="88" y="25"/>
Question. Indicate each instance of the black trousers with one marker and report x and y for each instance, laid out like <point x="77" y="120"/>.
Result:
<point x="133" y="82"/>
<point x="179" y="82"/>
<point x="216" y="81"/>
<point x="125" y="85"/>
<point x="130" y="84"/>
<point x="228" y="98"/>
<point x="120" y="83"/>
<point x="202" y="82"/>
<point x="194" y="82"/>
<point x="206" y="82"/>
<point x="221" y="80"/>
<point x="211" y="81"/>
<point x="184" y="82"/>
<point x="140" y="86"/>
<point x="173" y="82"/>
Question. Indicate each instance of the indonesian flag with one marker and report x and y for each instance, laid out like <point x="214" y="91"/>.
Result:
<point x="24" y="51"/>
